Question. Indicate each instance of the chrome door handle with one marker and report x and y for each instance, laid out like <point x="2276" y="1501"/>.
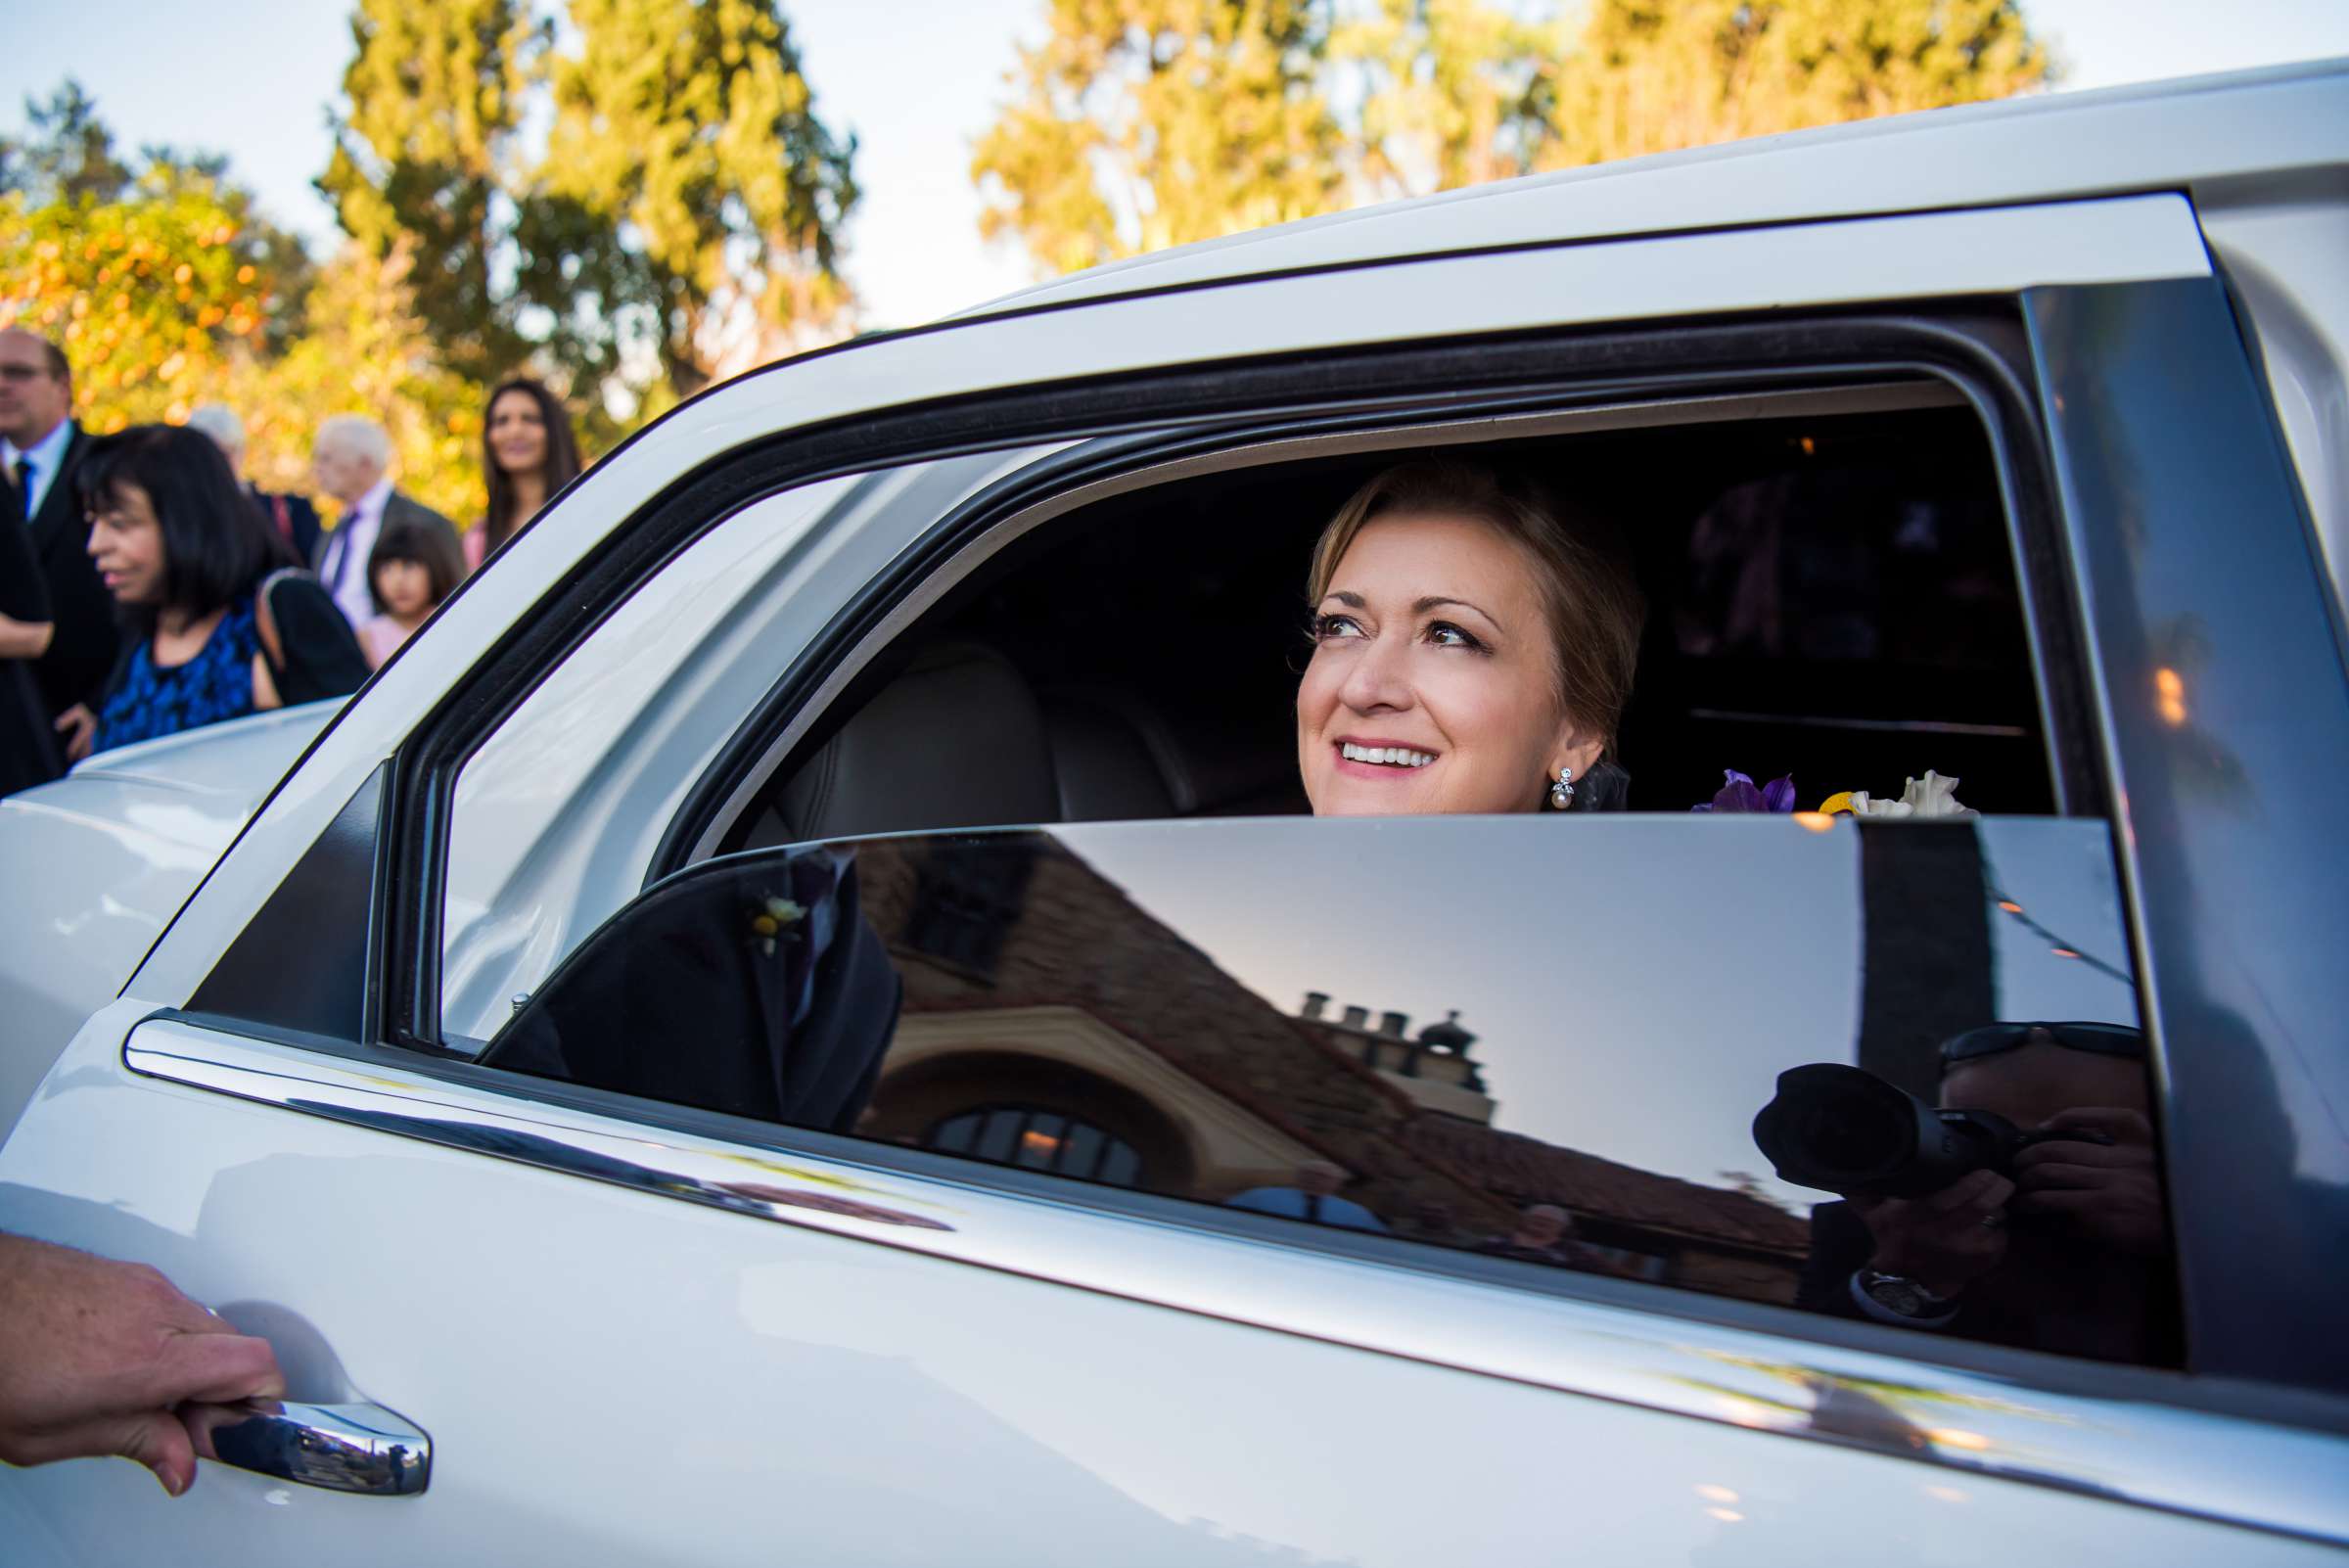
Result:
<point x="343" y="1448"/>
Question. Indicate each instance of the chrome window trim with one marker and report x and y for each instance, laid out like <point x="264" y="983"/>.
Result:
<point x="1922" y="387"/>
<point x="2274" y="1478"/>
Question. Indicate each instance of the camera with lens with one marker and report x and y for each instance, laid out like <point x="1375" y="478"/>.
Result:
<point x="1846" y="1131"/>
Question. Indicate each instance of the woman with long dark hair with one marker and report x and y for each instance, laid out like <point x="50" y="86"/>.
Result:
<point x="527" y="453"/>
<point x="218" y="622"/>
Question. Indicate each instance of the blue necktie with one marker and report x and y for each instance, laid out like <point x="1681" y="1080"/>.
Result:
<point x="25" y="483"/>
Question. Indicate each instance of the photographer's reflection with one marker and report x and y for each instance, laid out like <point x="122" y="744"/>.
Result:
<point x="2026" y="1208"/>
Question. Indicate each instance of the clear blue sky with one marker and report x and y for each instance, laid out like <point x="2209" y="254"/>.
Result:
<point x="916" y="81"/>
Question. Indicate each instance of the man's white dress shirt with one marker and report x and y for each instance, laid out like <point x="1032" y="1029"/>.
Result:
<point x="344" y="566"/>
<point x="46" y="455"/>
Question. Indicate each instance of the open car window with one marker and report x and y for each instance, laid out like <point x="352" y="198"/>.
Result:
<point x="1542" y="1043"/>
<point x="1832" y="600"/>
<point x="1832" y="597"/>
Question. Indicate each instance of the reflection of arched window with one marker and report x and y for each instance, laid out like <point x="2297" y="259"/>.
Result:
<point x="1040" y="1141"/>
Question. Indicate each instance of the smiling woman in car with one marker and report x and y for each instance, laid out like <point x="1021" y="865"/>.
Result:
<point x="1473" y="650"/>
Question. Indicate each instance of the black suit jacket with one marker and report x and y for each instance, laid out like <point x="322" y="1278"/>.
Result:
<point x="677" y="999"/>
<point x="29" y="752"/>
<point x="88" y="637"/>
<point x="293" y="518"/>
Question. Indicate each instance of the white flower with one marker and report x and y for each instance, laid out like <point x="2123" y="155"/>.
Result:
<point x="772" y="917"/>
<point x="1930" y="795"/>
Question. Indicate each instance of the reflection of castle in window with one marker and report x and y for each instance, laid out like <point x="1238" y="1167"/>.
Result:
<point x="1434" y="1070"/>
<point x="1051" y="1022"/>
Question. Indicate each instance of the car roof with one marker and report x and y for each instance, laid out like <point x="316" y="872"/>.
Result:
<point x="2215" y="136"/>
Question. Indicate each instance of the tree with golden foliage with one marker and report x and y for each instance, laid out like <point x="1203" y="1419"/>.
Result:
<point x="1141" y="124"/>
<point x="364" y="347"/>
<point x="1656" y="75"/>
<point x="153" y="281"/>
<point x="150" y="295"/>
<point x="1144" y="123"/>
<point x="166" y="291"/>
<point x="1452" y="92"/>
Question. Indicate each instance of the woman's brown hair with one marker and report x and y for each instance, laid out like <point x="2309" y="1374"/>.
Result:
<point x="498" y="523"/>
<point x="1594" y="607"/>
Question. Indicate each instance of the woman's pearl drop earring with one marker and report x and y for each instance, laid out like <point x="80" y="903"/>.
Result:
<point x="1561" y="794"/>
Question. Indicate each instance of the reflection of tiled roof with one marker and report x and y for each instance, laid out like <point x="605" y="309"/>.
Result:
<point x="1534" y="1172"/>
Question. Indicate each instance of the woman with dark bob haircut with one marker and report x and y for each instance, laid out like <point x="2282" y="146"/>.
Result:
<point x="528" y="455"/>
<point x="220" y="624"/>
<point x="1474" y="644"/>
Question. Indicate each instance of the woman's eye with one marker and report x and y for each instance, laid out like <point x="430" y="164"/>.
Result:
<point x="1330" y="628"/>
<point x="1443" y="634"/>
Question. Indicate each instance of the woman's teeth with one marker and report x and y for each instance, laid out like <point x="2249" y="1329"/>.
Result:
<point x="1390" y="755"/>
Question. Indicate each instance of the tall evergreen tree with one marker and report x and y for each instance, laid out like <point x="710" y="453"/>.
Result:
<point x="686" y="129"/>
<point x="426" y="156"/>
<point x="70" y="153"/>
<point x="651" y="175"/>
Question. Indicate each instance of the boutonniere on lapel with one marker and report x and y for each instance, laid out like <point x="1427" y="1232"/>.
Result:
<point x="773" y="918"/>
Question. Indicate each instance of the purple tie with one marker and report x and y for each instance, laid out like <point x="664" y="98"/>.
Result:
<point x="349" y="527"/>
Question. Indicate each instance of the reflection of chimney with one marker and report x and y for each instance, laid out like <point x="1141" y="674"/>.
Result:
<point x="1358" y="1018"/>
<point x="1393" y="1023"/>
<point x="1317" y="1003"/>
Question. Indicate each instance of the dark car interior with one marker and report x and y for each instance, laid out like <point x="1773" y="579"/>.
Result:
<point x="1830" y="597"/>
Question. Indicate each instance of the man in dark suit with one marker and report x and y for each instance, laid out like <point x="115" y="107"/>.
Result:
<point x="40" y="446"/>
<point x="293" y="518"/>
<point x="352" y="460"/>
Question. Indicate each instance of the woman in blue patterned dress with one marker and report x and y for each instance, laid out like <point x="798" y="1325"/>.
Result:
<point x="186" y="556"/>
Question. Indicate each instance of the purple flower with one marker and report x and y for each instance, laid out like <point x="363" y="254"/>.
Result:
<point x="1738" y="794"/>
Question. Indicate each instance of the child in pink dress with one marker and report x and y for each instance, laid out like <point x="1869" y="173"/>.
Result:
<point x="413" y="566"/>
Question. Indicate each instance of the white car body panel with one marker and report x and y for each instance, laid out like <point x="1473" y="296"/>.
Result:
<point x="107" y="856"/>
<point x="816" y="1392"/>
